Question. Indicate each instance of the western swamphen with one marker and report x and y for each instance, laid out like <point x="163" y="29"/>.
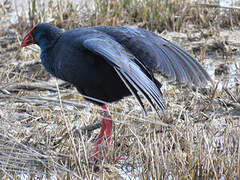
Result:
<point x="109" y="63"/>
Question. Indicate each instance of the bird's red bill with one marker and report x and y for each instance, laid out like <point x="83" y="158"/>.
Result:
<point x="28" y="39"/>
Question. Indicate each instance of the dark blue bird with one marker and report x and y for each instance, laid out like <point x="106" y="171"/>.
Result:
<point x="109" y="63"/>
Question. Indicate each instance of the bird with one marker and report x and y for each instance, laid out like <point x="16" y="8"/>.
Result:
<point x="107" y="63"/>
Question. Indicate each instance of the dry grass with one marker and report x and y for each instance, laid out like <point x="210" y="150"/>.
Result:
<point x="41" y="134"/>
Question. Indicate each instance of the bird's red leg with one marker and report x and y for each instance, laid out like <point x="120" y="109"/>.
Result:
<point x="108" y="124"/>
<point x="101" y="134"/>
<point x="106" y="128"/>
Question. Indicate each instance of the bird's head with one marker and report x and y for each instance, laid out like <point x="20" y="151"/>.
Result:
<point x="43" y="34"/>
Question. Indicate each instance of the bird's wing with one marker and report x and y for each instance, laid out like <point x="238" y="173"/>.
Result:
<point x="177" y="64"/>
<point x="160" y="55"/>
<point x="133" y="75"/>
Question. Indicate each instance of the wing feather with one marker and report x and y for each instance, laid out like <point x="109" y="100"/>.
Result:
<point x="158" y="54"/>
<point x="133" y="75"/>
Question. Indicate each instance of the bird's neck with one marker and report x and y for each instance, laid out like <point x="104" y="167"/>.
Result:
<point x="44" y="45"/>
<point x="48" y="62"/>
<point x="47" y="45"/>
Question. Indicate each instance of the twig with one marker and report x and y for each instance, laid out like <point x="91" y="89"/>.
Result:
<point x="28" y="86"/>
<point x="235" y="105"/>
<point x="216" y="6"/>
<point x="29" y="99"/>
<point x="211" y="98"/>
<point x="230" y="94"/>
<point x="75" y="131"/>
<point x="91" y="127"/>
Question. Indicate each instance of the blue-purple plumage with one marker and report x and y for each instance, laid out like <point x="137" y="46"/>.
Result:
<point x="109" y="63"/>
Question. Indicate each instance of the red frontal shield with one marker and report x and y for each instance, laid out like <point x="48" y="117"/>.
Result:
<point x="28" y="39"/>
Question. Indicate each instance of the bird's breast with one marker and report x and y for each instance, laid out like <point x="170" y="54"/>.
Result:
<point x="48" y="63"/>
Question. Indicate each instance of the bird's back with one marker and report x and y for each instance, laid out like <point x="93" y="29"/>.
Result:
<point x="87" y="71"/>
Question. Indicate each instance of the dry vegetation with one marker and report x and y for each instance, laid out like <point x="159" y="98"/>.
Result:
<point x="43" y="120"/>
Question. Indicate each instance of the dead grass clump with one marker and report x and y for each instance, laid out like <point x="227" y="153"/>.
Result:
<point x="152" y="15"/>
<point x="64" y="14"/>
<point x="162" y="15"/>
<point x="209" y="13"/>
